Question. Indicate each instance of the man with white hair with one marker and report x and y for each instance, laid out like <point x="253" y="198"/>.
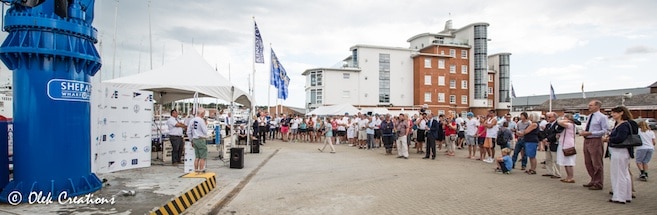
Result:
<point x="197" y="131"/>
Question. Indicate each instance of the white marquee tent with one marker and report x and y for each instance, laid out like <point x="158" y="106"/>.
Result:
<point x="181" y="78"/>
<point x="334" y="110"/>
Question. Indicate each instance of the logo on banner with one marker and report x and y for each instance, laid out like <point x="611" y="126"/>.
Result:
<point x="147" y="149"/>
<point x="125" y="150"/>
<point x="149" y="98"/>
<point x="109" y="164"/>
<point x="134" y="149"/>
<point x="69" y="90"/>
<point x="136" y="108"/>
<point x="135" y="94"/>
<point x="135" y="161"/>
<point x="123" y="163"/>
<point x="111" y="137"/>
<point x="115" y="95"/>
<point x="124" y="135"/>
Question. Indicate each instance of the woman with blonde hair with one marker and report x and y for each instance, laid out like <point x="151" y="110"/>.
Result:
<point x="566" y="141"/>
<point x="644" y="152"/>
<point x="530" y="136"/>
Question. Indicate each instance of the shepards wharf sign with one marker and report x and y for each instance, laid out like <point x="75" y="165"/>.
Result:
<point x="69" y="90"/>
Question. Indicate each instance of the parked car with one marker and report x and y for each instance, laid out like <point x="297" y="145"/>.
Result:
<point x="652" y="122"/>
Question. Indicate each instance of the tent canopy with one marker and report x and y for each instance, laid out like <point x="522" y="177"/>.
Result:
<point x="181" y="78"/>
<point x="334" y="110"/>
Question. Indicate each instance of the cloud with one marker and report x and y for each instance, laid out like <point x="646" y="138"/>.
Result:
<point x="573" y="71"/>
<point x="640" y="49"/>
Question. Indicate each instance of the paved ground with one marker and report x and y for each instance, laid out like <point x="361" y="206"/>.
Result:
<point x="294" y="178"/>
<point x="300" y="180"/>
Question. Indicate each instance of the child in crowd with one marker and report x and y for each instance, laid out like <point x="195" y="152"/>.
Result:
<point x="504" y="163"/>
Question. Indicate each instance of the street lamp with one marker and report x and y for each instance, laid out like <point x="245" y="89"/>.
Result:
<point x="625" y="96"/>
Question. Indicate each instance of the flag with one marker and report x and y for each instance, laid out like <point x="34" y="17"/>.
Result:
<point x="583" y="94"/>
<point x="275" y="74"/>
<point x="259" y="48"/>
<point x="284" y="83"/>
<point x="552" y="95"/>
<point x="513" y="92"/>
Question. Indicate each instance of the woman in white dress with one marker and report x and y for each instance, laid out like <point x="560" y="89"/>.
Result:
<point x="567" y="140"/>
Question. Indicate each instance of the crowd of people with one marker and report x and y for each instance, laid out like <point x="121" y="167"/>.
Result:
<point x="519" y="139"/>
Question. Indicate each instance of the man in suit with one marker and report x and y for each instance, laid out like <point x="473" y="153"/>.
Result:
<point x="550" y="140"/>
<point x="432" y="134"/>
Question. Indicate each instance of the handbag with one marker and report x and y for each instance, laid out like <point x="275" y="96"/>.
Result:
<point x="569" y="151"/>
<point x="631" y="141"/>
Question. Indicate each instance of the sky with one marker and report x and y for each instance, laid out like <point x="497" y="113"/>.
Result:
<point x="600" y="44"/>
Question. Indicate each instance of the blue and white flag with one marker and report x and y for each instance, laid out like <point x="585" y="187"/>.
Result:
<point x="552" y="95"/>
<point x="259" y="48"/>
<point x="283" y="84"/>
<point x="275" y="74"/>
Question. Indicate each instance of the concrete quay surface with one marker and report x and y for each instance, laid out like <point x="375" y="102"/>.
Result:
<point x="295" y="178"/>
<point x="301" y="180"/>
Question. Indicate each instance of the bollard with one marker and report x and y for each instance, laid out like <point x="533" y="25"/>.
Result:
<point x="50" y="48"/>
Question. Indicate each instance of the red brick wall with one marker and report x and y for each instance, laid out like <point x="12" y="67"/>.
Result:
<point x="419" y="88"/>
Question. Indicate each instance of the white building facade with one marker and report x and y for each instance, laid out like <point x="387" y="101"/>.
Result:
<point x="371" y="76"/>
<point x="384" y="76"/>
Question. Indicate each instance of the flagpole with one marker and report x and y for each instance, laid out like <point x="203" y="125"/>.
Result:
<point x="511" y="98"/>
<point x="254" y="70"/>
<point x="269" y="88"/>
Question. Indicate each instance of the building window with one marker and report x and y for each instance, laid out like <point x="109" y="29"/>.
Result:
<point x="354" y="58"/>
<point x="464" y="54"/>
<point x="427" y="62"/>
<point x="427" y="80"/>
<point x="452" y="68"/>
<point x="490" y="103"/>
<point x="441" y="112"/>
<point x="441" y="97"/>
<point x="441" y="80"/>
<point x="464" y="84"/>
<point x="464" y="69"/>
<point x="441" y="63"/>
<point x="452" y="99"/>
<point x="346" y="94"/>
<point x="452" y="84"/>
<point x="384" y="78"/>
<point x="490" y="77"/>
<point x="316" y="78"/>
<point x="316" y="96"/>
<point x="490" y="91"/>
<point x="464" y="100"/>
<point x="427" y="97"/>
<point x="345" y="75"/>
<point x="452" y="52"/>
